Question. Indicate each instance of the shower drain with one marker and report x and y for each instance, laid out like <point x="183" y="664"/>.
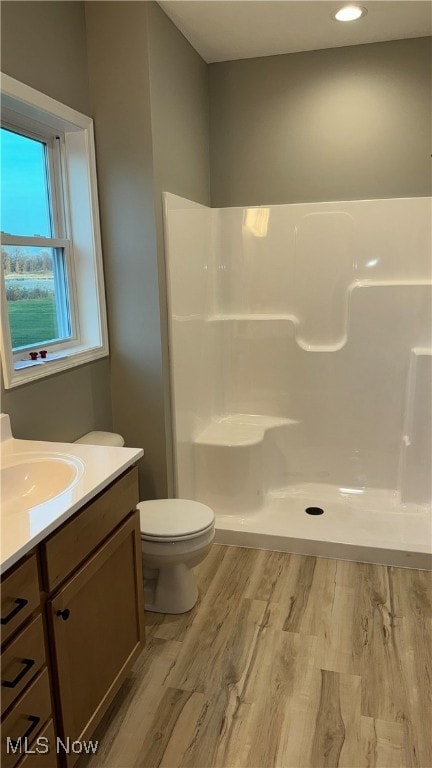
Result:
<point x="314" y="511"/>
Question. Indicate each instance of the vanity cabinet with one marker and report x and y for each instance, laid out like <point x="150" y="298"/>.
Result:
<point x="82" y="627"/>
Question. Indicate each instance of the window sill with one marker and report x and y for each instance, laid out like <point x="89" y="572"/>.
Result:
<point x="25" y="371"/>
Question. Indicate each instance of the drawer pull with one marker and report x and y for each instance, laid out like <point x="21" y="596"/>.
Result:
<point x="28" y="663"/>
<point x="20" y="603"/>
<point x="34" y="721"/>
<point x="64" y="614"/>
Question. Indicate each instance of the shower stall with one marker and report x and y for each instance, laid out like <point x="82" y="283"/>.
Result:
<point x="300" y="355"/>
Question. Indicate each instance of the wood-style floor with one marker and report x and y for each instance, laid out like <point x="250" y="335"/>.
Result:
<point x="285" y="661"/>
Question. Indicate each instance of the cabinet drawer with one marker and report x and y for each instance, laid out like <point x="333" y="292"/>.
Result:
<point x="29" y="714"/>
<point x="76" y="540"/>
<point x="21" y="661"/>
<point x="41" y="759"/>
<point x="19" y="596"/>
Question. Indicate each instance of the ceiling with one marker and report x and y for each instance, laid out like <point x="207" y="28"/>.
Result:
<point x="223" y="30"/>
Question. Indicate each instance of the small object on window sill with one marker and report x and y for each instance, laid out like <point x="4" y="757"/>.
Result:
<point x="33" y="355"/>
<point x="50" y="357"/>
<point x="43" y="353"/>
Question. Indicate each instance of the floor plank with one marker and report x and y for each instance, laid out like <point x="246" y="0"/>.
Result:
<point x="285" y="662"/>
<point x="383" y="744"/>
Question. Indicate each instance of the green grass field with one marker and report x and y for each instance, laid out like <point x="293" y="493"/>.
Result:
<point x="32" y="320"/>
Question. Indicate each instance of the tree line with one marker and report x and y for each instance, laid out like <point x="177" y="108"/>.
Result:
<point x="17" y="261"/>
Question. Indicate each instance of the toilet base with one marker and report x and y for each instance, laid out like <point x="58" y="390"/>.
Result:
<point x="171" y="589"/>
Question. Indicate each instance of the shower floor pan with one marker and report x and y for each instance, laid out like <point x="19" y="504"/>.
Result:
<point x="366" y="525"/>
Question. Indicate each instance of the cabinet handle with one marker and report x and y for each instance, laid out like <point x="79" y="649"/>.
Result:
<point x="34" y="721"/>
<point x="20" y="602"/>
<point x="64" y="614"/>
<point x="28" y="663"/>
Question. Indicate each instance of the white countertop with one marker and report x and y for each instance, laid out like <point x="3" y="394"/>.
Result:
<point x="97" y="466"/>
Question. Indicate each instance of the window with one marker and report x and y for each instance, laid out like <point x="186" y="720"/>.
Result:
<point x="35" y="260"/>
<point x="53" y="311"/>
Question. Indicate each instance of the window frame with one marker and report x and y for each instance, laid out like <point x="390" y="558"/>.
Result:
<point x="59" y="240"/>
<point x="75" y="224"/>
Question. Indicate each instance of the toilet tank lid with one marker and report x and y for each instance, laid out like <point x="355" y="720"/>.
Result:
<point x="102" y="438"/>
<point x="174" y="518"/>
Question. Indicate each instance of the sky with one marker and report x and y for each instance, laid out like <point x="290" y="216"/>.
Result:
<point x="24" y="198"/>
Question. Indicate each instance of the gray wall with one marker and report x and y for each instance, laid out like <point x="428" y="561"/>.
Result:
<point x="44" y="45"/>
<point x="179" y="111"/>
<point x="179" y="94"/>
<point x="337" y="124"/>
<point x="120" y="94"/>
<point x="150" y="107"/>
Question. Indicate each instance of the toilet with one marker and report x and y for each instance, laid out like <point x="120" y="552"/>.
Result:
<point x="176" y="535"/>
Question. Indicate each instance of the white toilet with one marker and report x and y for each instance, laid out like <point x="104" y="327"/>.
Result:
<point x="176" y="535"/>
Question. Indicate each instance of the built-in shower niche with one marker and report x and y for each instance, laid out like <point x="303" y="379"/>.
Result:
<point x="300" y="363"/>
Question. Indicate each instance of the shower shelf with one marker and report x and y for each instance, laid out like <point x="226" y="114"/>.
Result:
<point x="297" y="327"/>
<point x="263" y="316"/>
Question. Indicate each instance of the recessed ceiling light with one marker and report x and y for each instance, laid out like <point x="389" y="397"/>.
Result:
<point x="349" y="13"/>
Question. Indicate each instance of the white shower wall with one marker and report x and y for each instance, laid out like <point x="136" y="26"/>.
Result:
<point x="300" y="340"/>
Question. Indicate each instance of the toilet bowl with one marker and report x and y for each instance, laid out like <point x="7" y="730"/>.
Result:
<point x="176" y="535"/>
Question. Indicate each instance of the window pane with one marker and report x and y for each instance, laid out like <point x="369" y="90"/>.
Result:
<point x="25" y="207"/>
<point x="36" y="293"/>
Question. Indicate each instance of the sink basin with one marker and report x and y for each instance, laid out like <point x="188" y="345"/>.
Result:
<point x="32" y="479"/>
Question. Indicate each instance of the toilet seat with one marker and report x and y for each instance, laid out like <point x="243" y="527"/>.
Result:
<point x="165" y="520"/>
<point x="171" y="539"/>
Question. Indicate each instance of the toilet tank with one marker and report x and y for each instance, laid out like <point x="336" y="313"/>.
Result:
<point x="102" y="438"/>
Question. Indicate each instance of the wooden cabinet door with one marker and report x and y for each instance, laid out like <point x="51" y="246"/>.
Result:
<point x="97" y="625"/>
